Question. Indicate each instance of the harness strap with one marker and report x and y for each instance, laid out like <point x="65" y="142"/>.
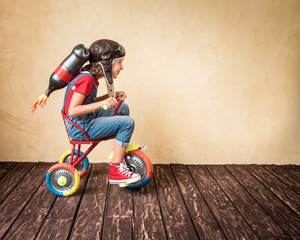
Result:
<point x="65" y="117"/>
<point x="82" y="74"/>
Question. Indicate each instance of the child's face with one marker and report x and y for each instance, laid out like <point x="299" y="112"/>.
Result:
<point x="117" y="67"/>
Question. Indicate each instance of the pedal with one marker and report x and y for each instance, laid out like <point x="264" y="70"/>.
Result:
<point x="143" y="148"/>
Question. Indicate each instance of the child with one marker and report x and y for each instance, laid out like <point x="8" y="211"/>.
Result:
<point x="87" y="111"/>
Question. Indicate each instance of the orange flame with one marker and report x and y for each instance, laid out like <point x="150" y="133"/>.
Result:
<point x="41" y="102"/>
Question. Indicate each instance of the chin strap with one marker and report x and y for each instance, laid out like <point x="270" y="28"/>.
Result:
<point x="110" y="86"/>
<point x="110" y="89"/>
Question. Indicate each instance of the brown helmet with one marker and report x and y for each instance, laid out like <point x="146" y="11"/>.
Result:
<point x="105" y="51"/>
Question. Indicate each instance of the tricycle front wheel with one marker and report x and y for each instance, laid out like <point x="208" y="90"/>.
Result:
<point x="63" y="179"/>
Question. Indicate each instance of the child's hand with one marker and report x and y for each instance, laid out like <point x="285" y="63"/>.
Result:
<point x="109" y="102"/>
<point x="121" y="95"/>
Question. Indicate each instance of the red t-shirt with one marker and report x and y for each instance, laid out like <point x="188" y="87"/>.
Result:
<point x="84" y="85"/>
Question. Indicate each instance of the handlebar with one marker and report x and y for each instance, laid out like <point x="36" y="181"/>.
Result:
<point x="105" y="107"/>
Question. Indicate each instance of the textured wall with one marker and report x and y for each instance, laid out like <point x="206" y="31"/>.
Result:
<point x="208" y="81"/>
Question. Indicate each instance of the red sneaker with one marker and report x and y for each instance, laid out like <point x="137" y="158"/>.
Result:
<point x="119" y="173"/>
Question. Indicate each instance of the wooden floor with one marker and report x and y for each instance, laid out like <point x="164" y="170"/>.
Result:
<point x="180" y="202"/>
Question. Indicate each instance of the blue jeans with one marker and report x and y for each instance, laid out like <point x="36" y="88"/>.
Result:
<point x="103" y="123"/>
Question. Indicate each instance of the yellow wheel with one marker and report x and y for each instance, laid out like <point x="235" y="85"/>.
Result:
<point x="82" y="167"/>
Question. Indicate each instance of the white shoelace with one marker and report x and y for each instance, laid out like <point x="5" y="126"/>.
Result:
<point x="124" y="169"/>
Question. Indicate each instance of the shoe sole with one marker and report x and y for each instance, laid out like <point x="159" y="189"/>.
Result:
<point x="128" y="181"/>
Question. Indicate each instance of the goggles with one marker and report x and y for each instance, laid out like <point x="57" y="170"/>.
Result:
<point x="117" y="53"/>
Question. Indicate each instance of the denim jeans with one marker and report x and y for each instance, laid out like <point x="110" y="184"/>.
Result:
<point x="102" y="123"/>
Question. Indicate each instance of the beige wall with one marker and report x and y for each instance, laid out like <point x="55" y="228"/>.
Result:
<point x="208" y="81"/>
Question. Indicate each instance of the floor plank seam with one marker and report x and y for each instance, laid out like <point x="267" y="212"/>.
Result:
<point x="79" y="202"/>
<point x="270" y="190"/>
<point x="263" y="208"/>
<point x="45" y="218"/>
<point x="23" y="207"/>
<point x="105" y="209"/>
<point x="235" y="207"/>
<point x="293" y="174"/>
<point x="17" y="183"/>
<point x="172" y="170"/>
<point x="132" y="218"/>
<point x="9" y="171"/>
<point x="274" y="175"/>
<point x="206" y="202"/>
<point x="158" y="198"/>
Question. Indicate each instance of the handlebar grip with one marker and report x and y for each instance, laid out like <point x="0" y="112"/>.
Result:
<point x="105" y="107"/>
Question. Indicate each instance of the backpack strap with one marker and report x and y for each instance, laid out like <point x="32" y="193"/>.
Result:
<point x="81" y="74"/>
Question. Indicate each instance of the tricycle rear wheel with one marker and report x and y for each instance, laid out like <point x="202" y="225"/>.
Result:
<point x="139" y="163"/>
<point x="82" y="167"/>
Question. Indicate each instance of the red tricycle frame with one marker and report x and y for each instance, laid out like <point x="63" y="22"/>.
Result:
<point x="63" y="178"/>
<point x="95" y="142"/>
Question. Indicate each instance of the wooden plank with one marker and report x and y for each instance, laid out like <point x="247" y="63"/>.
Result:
<point x="281" y="214"/>
<point x="119" y="228"/>
<point x="30" y="209"/>
<point x="203" y="220"/>
<point x="176" y="218"/>
<point x="33" y="215"/>
<point x="18" y="198"/>
<point x="58" y="222"/>
<point x="119" y="213"/>
<point x="285" y="176"/>
<point x="12" y="179"/>
<point x="5" y="167"/>
<point x="264" y="227"/>
<point x="148" y="223"/>
<point x="232" y="223"/>
<point x="288" y="196"/>
<point x="89" y="219"/>
<point x="294" y="169"/>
